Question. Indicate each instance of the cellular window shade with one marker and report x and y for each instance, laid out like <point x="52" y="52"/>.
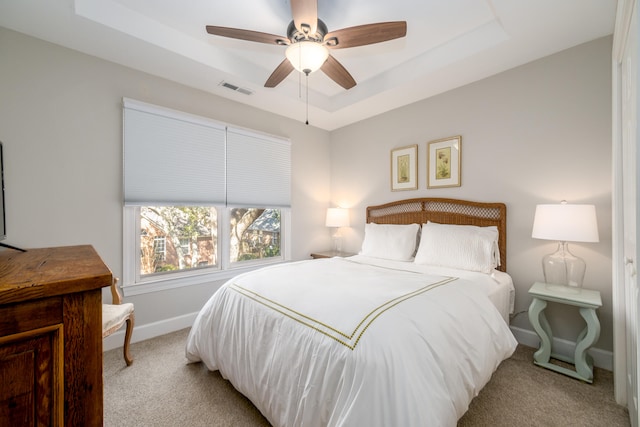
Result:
<point x="171" y="158"/>
<point x="258" y="170"/>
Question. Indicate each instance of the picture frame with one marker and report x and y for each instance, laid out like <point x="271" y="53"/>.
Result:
<point x="404" y="168"/>
<point x="443" y="162"/>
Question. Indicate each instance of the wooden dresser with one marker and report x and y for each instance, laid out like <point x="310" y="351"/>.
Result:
<point x="51" y="336"/>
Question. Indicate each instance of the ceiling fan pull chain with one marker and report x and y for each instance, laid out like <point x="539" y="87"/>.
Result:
<point x="307" y="83"/>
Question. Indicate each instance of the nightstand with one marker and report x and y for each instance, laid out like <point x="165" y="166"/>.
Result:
<point x="588" y="302"/>
<point x="330" y="254"/>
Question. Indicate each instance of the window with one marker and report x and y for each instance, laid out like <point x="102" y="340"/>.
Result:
<point x="188" y="238"/>
<point x="182" y="245"/>
<point x="158" y="253"/>
<point x="219" y="203"/>
<point x="185" y="246"/>
<point x="254" y="234"/>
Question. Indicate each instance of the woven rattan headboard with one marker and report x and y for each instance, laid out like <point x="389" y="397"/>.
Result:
<point x="445" y="211"/>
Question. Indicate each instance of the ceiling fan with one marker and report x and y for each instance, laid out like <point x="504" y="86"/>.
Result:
<point x="308" y="41"/>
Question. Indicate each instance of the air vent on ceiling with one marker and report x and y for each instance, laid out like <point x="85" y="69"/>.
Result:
<point x="236" y="88"/>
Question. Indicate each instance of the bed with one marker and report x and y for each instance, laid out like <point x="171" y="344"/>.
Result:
<point x="406" y="333"/>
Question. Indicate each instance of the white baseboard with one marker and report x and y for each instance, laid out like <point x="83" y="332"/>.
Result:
<point x="601" y="358"/>
<point x="150" y="330"/>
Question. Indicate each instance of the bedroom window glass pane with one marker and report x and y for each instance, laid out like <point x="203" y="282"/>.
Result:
<point x="255" y="234"/>
<point x="174" y="238"/>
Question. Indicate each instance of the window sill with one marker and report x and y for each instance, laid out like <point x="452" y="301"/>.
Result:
<point x="166" y="283"/>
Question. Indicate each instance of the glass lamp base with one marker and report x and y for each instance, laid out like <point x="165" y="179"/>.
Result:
<point x="563" y="268"/>
<point x="337" y="241"/>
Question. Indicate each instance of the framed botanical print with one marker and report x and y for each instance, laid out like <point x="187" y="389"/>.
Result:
<point x="443" y="162"/>
<point x="404" y="168"/>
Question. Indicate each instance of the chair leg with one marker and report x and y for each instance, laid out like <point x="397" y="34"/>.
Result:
<point x="127" y="340"/>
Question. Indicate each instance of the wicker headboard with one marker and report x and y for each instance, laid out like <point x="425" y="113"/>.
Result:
<point x="445" y="211"/>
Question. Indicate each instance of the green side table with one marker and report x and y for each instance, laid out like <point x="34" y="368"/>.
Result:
<point x="587" y="301"/>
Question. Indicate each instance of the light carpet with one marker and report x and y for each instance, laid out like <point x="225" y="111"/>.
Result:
<point x="161" y="389"/>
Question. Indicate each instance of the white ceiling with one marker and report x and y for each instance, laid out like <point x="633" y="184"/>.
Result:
<point x="449" y="43"/>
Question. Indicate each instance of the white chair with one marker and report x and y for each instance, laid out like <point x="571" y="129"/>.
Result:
<point x="114" y="317"/>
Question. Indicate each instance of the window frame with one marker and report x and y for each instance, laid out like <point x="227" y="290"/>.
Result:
<point x="134" y="284"/>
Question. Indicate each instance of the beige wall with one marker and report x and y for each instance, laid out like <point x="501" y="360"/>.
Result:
<point x="535" y="134"/>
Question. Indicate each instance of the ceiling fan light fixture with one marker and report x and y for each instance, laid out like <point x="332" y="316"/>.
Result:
<point x="307" y="56"/>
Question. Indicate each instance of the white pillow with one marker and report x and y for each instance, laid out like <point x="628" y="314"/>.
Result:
<point x="466" y="247"/>
<point x="390" y="241"/>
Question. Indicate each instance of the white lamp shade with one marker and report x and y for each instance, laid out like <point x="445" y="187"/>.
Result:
<point x="566" y="223"/>
<point x="307" y="56"/>
<point x="337" y="217"/>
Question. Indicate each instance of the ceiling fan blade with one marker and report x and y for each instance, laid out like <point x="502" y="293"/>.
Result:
<point x="305" y="15"/>
<point x="365" y="34"/>
<point x="279" y="74"/>
<point x="252" y="36"/>
<point x="336" y="72"/>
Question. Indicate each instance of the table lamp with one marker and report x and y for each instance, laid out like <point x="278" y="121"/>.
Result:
<point x="336" y="218"/>
<point x="565" y="223"/>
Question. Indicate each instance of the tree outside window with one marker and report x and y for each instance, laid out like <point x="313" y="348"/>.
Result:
<point x="187" y="235"/>
<point x="255" y="234"/>
<point x="177" y="238"/>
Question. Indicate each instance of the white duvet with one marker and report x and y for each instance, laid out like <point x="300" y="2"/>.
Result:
<point x="341" y="342"/>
